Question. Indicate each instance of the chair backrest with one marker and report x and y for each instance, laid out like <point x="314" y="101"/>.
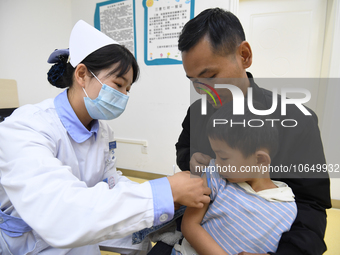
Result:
<point x="8" y="94"/>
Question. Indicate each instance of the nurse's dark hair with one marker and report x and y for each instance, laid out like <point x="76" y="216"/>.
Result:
<point x="61" y="74"/>
<point x="243" y="135"/>
<point x="222" y="28"/>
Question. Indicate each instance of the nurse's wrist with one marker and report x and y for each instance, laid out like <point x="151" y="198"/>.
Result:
<point x="162" y="200"/>
<point x="174" y="188"/>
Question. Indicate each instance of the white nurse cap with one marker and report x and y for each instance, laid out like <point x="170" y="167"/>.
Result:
<point x="84" y="40"/>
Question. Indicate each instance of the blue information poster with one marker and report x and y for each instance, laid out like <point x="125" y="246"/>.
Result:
<point x="163" y="23"/>
<point x="116" y="19"/>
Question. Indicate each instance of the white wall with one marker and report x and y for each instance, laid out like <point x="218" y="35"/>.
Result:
<point x="330" y="120"/>
<point x="30" y="30"/>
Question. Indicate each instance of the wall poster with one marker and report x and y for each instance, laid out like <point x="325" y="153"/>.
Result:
<point x="116" y="19"/>
<point x="163" y="22"/>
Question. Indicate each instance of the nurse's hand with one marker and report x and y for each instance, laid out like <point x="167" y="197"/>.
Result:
<point x="177" y="206"/>
<point x="189" y="190"/>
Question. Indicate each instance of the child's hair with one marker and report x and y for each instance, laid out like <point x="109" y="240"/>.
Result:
<point x="244" y="137"/>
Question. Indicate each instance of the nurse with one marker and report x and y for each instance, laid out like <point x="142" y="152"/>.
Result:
<point x="60" y="192"/>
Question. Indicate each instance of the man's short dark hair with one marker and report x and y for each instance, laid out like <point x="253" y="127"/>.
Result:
<point x="244" y="138"/>
<point x="223" y="29"/>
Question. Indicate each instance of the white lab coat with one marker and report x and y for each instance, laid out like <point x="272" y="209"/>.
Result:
<point x="55" y="185"/>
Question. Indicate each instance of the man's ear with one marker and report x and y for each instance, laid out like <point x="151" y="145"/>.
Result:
<point x="246" y="54"/>
<point x="262" y="158"/>
<point x="80" y="74"/>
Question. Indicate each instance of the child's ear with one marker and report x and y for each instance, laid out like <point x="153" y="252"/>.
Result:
<point x="262" y="158"/>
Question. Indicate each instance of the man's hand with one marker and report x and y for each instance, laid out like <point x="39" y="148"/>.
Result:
<point x="189" y="190"/>
<point x="198" y="159"/>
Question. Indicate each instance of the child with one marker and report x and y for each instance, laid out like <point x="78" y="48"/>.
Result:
<point x="249" y="212"/>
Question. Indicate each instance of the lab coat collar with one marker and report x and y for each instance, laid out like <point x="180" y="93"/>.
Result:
<point x="72" y="124"/>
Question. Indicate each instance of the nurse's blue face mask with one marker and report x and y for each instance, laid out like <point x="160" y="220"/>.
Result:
<point x="109" y="104"/>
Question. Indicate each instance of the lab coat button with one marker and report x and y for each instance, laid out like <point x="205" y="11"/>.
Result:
<point x="163" y="217"/>
<point x="1" y="220"/>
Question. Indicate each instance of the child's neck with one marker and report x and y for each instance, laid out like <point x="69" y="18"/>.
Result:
<point x="259" y="184"/>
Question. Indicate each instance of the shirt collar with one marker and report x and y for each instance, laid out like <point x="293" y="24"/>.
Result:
<point x="251" y="80"/>
<point x="72" y="124"/>
<point x="259" y="94"/>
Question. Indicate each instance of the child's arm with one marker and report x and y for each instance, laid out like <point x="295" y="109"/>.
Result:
<point x="196" y="235"/>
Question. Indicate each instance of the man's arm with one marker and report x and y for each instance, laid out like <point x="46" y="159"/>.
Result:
<point x="306" y="233"/>
<point x="183" y="145"/>
<point x="192" y="147"/>
<point x="312" y="190"/>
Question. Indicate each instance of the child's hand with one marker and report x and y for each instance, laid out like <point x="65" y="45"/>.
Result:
<point x="198" y="160"/>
